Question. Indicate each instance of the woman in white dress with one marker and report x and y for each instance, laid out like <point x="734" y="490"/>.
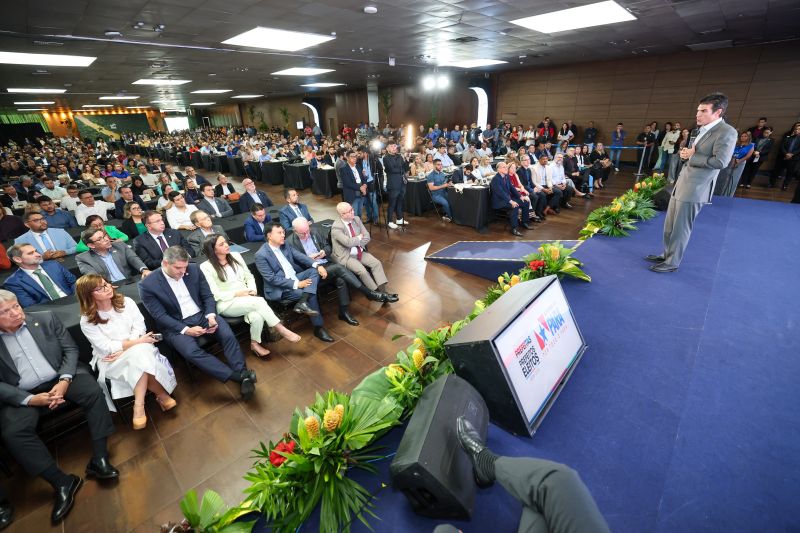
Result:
<point x="122" y="350"/>
<point x="234" y="289"/>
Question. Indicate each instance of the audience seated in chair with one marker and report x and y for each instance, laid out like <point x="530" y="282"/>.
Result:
<point x="205" y="227"/>
<point x="52" y="243"/>
<point x="293" y="209"/>
<point x="256" y="224"/>
<point x="215" y="207"/>
<point x="115" y="261"/>
<point x="37" y="281"/>
<point x="150" y="246"/>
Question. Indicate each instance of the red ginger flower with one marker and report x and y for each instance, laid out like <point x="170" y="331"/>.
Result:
<point x="286" y="447"/>
<point x="536" y="265"/>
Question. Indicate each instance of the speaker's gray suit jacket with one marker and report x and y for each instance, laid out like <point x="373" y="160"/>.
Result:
<point x="699" y="174"/>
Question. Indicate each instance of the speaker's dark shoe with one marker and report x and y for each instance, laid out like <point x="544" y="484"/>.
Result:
<point x="322" y="334"/>
<point x="6" y="514"/>
<point x="472" y="443"/>
<point x="304" y="309"/>
<point x="247" y="388"/>
<point x="346" y="317"/>
<point x="65" y="498"/>
<point x="655" y="258"/>
<point x="250" y="373"/>
<point x="101" y="469"/>
<point x="516" y="232"/>
<point x="390" y="297"/>
<point x="662" y="267"/>
<point x="527" y="226"/>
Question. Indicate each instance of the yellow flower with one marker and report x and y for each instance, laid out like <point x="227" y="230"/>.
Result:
<point x="500" y="279"/>
<point x="394" y="371"/>
<point x="506" y="287"/>
<point x="541" y="249"/>
<point x="514" y="280"/>
<point x="419" y="358"/>
<point x="615" y="208"/>
<point x="340" y="411"/>
<point x="554" y="253"/>
<point x="312" y="426"/>
<point x="417" y="341"/>
<point x="331" y="420"/>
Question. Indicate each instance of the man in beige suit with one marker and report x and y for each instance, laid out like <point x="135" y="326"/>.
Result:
<point x="349" y="239"/>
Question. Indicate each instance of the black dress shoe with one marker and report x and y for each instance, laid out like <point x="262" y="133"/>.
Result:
<point x="247" y="387"/>
<point x="344" y="316"/>
<point x="557" y="210"/>
<point x="389" y="297"/>
<point x="516" y="232"/>
<point x="526" y="226"/>
<point x="472" y="443"/>
<point x="655" y="258"/>
<point x="101" y="469"/>
<point x="6" y="514"/>
<point x="65" y="498"/>
<point x="375" y="296"/>
<point x="250" y="373"/>
<point x="663" y="267"/>
<point x="304" y="309"/>
<point x="322" y="334"/>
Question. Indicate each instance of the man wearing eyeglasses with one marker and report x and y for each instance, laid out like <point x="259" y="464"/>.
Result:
<point x="52" y="243"/>
<point x="115" y="261"/>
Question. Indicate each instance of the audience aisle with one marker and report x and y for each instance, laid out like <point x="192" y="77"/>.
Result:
<point x="206" y="441"/>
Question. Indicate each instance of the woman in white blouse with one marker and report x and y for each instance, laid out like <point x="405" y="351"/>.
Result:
<point x="485" y="168"/>
<point x="122" y="350"/>
<point x="234" y="289"/>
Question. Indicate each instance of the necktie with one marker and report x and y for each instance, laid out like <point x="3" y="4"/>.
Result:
<point x="353" y="234"/>
<point x="48" y="285"/>
<point x="297" y="211"/>
<point x="162" y="243"/>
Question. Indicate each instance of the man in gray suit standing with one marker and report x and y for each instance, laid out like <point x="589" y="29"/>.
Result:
<point x="711" y="151"/>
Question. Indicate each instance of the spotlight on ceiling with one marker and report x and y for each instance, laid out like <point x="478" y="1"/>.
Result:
<point x="429" y="83"/>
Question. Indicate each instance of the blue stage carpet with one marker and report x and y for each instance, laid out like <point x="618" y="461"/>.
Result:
<point x="682" y="415"/>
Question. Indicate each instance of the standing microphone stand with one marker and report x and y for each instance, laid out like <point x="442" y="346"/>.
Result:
<point x="638" y="175"/>
<point x="379" y="193"/>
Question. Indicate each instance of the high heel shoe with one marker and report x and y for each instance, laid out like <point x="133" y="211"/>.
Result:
<point x="287" y="334"/>
<point x="166" y="404"/>
<point x="139" y="422"/>
<point x="259" y="351"/>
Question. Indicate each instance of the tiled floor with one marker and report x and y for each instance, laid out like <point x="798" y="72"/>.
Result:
<point x="206" y="441"/>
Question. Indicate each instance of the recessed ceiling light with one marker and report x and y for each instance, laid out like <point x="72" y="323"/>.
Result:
<point x="37" y="91"/>
<point x="300" y="71"/>
<point x="33" y="103"/>
<point x="274" y="39"/>
<point x="137" y="107"/>
<point x="321" y="84"/>
<point x="155" y="81"/>
<point x="598" y="14"/>
<point x="118" y="97"/>
<point x="203" y="103"/>
<point x="370" y="10"/>
<point x="98" y="105"/>
<point x="164" y="102"/>
<point x="45" y="60"/>
<point x="212" y="91"/>
<point x="37" y="109"/>
<point x="472" y="63"/>
<point x="248" y="96"/>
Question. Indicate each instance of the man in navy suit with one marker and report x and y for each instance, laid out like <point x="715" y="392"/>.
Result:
<point x="293" y="209"/>
<point x="290" y="275"/>
<point x="150" y="245"/>
<point x="251" y="196"/>
<point x="52" y="243"/>
<point x="178" y="298"/>
<point x="504" y="196"/>
<point x="256" y="223"/>
<point x="37" y="281"/>
<point x="354" y="189"/>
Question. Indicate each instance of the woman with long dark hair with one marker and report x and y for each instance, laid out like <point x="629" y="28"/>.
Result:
<point x="234" y="289"/>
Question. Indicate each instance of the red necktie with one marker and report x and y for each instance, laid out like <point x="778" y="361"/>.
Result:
<point x="353" y="234"/>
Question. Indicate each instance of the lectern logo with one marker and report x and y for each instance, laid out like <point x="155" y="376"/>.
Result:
<point x="550" y="324"/>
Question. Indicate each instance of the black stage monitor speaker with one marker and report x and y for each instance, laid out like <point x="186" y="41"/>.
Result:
<point x="430" y="467"/>
<point x="661" y="199"/>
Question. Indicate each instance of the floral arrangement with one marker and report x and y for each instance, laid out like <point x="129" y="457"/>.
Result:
<point x="550" y="258"/>
<point x="618" y="218"/>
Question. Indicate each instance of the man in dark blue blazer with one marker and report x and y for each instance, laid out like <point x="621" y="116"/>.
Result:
<point x="256" y="223"/>
<point x="126" y="195"/>
<point x="354" y="189"/>
<point x="537" y="195"/>
<point x="178" y="298"/>
<point x="251" y="196"/>
<point x="37" y="281"/>
<point x="505" y="196"/>
<point x="150" y="245"/>
<point x="292" y="276"/>
<point x="293" y="209"/>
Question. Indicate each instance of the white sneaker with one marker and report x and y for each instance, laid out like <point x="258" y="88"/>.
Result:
<point x="446" y="219"/>
<point x="392" y="225"/>
<point x="616" y="169"/>
<point x="403" y="222"/>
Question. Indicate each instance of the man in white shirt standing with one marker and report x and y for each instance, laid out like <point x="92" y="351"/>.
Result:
<point x="90" y="206"/>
